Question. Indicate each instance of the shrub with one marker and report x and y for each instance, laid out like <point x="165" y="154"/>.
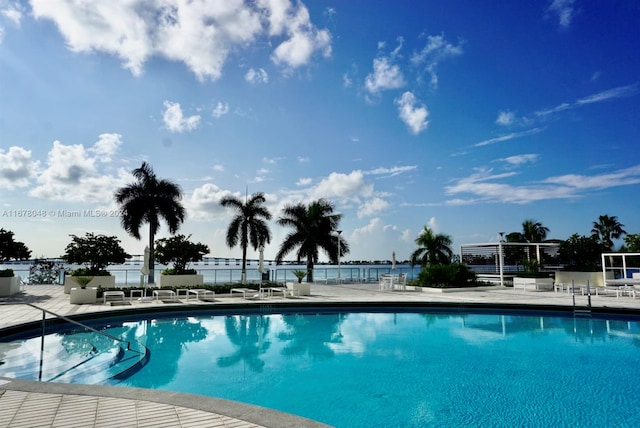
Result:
<point x="172" y="271"/>
<point x="6" y="273"/>
<point x="44" y="271"/>
<point x="447" y="276"/>
<point x="179" y="251"/>
<point x="96" y="251"/>
<point x="89" y="272"/>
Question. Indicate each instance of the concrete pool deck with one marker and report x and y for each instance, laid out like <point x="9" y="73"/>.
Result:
<point x="34" y="404"/>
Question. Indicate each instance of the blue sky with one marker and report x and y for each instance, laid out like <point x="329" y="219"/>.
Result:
<point x="469" y="117"/>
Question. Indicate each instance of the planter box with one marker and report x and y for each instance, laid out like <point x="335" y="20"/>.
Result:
<point x="83" y="296"/>
<point x="303" y="288"/>
<point x="9" y="286"/>
<point x="533" y="283"/>
<point x="97" y="281"/>
<point x="180" y="280"/>
<point x="581" y="278"/>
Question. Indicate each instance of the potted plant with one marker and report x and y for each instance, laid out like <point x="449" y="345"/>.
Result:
<point x="582" y="258"/>
<point x="300" y="274"/>
<point x="95" y="252"/>
<point x="10" y="250"/>
<point x="179" y="251"/>
<point x="532" y="277"/>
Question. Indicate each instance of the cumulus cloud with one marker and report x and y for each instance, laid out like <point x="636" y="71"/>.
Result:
<point x="343" y="186"/>
<point x="372" y="207"/>
<point x="256" y="76"/>
<point x="175" y="121"/>
<point x="565" y="11"/>
<point x="220" y="110"/>
<point x="385" y="76"/>
<point x="201" y="34"/>
<point x="76" y="174"/>
<point x="304" y="38"/>
<point x="505" y="118"/>
<point x="16" y="167"/>
<point x="436" y="50"/>
<point x="304" y="181"/>
<point x="204" y="202"/>
<point x="412" y="112"/>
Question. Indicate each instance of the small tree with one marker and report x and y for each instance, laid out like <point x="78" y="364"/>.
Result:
<point x="179" y="251"/>
<point x="95" y="251"/>
<point x="44" y="271"/>
<point x="581" y="253"/>
<point x="10" y="249"/>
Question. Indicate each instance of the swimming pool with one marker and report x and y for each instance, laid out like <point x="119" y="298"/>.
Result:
<point x="402" y="369"/>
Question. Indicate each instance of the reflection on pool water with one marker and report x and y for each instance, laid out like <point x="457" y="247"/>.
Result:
<point x="404" y="369"/>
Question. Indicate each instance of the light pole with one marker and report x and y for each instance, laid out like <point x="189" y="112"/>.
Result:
<point x="339" y="278"/>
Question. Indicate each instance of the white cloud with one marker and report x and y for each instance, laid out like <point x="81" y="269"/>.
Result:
<point x="412" y="112"/>
<point x="76" y="174"/>
<point x="256" y="76"/>
<point x="385" y="76"/>
<point x="435" y="50"/>
<point x="520" y="159"/>
<point x="13" y="12"/>
<point x="304" y="181"/>
<point x="220" y="110"/>
<point x="204" y="202"/>
<point x="372" y="207"/>
<point x="303" y="159"/>
<point x="304" y="38"/>
<point x="609" y="94"/>
<point x="393" y="171"/>
<point x="174" y="119"/>
<point x="565" y="11"/>
<point x="343" y="186"/>
<point x="508" y="137"/>
<point x="106" y="146"/>
<point x="505" y="118"/>
<point x="16" y="167"/>
<point x="218" y="167"/>
<point x="200" y="33"/>
<point x="484" y="186"/>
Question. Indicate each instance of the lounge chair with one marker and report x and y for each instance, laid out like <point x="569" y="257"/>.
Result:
<point x="201" y="294"/>
<point x="253" y="294"/>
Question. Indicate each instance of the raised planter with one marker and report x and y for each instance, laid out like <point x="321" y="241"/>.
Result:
<point x="9" y="285"/>
<point x="83" y="296"/>
<point x="545" y="284"/>
<point x="180" y="280"/>
<point x="97" y="281"/>
<point x="581" y="278"/>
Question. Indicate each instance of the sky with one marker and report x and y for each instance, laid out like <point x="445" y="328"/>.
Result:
<point x="467" y="117"/>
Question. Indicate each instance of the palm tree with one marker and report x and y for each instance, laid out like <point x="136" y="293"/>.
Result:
<point x="606" y="229"/>
<point x="532" y="231"/>
<point x="433" y="248"/>
<point x="314" y="227"/>
<point x="146" y="201"/>
<point x="248" y="226"/>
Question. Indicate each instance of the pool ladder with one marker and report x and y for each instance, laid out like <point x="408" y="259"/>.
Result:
<point x="578" y="311"/>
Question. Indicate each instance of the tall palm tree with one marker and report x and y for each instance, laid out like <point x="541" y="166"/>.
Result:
<point x="147" y="201"/>
<point x="606" y="229"/>
<point x="248" y="226"/>
<point x="532" y="231"/>
<point x="314" y="227"/>
<point x="433" y="248"/>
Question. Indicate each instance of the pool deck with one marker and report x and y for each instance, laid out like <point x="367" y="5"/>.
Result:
<point x="34" y="404"/>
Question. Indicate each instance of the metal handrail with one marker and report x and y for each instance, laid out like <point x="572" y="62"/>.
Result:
<point x="46" y="311"/>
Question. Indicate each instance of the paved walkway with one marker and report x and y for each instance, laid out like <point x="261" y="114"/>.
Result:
<point x="33" y="404"/>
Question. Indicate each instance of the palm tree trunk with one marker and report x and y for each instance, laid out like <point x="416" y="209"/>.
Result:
<point x="244" y="264"/>
<point x="152" y="258"/>
<point x="309" y="270"/>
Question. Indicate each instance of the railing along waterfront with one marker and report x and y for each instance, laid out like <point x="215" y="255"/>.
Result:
<point x="129" y="274"/>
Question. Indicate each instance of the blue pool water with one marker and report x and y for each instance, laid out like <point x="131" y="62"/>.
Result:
<point x="404" y="369"/>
